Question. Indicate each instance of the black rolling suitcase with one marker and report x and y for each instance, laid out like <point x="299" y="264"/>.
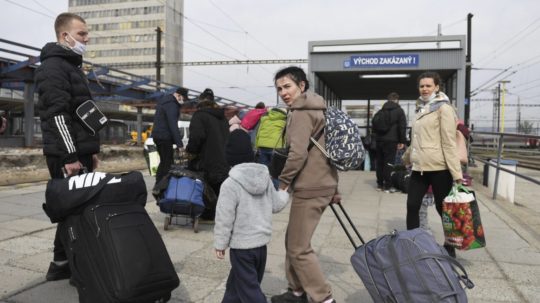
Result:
<point x="115" y="252"/>
<point x="407" y="266"/>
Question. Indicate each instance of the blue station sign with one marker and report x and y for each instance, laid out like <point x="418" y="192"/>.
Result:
<point x="398" y="60"/>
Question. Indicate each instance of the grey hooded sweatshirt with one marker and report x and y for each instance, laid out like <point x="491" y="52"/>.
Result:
<point x="244" y="209"/>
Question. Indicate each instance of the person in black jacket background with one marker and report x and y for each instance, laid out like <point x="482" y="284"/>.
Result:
<point x="208" y="135"/>
<point x="62" y="87"/>
<point x="390" y="141"/>
<point x="165" y="131"/>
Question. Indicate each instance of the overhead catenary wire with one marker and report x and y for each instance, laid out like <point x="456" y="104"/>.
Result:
<point x="28" y="8"/>
<point x="495" y="79"/>
<point x="211" y="34"/>
<point x="200" y="27"/>
<point x="508" y="44"/>
<point x="524" y="83"/>
<point x="224" y="82"/>
<point x="244" y="30"/>
<point x="44" y="7"/>
<point x="188" y="42"/>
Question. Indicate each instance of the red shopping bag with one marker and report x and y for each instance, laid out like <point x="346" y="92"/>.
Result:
<point x="461" y="219"/>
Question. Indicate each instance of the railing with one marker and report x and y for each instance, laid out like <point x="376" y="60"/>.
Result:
<point x="500" y="145"/>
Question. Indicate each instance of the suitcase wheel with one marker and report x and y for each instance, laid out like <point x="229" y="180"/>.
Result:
<point x="166" y="223"/>
<point x="196" y="225"/>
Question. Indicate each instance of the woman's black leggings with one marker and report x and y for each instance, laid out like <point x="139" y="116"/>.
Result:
<point x="441" y="183"/>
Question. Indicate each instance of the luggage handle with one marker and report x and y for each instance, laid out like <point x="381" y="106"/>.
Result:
<point x="343" y="225"/>
<point x="82" y="170"/>
<point x="464" y="277"/>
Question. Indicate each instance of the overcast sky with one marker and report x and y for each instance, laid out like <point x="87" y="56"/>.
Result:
<point x="505" y="34"/>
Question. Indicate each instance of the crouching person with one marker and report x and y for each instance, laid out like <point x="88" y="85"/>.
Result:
<point x="244" y="222"/>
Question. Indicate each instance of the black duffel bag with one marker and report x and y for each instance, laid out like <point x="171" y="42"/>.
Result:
<point x="65" y="197"/>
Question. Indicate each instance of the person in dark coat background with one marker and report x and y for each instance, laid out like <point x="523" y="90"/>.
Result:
<point x="165" y="131"/>
<point x="389" y="142"/>
<point x="208" y="135"/>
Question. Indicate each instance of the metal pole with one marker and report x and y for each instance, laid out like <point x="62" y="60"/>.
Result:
<point x="439" y="33"/>
<point x="499" y="108"/>
<point x="158" y="58"/>
<point x="499" y="152"/>
<point x="139" y="125"/>
<point x="518" y="126"/>
<point x="408" y="113"/>
<point x="28" y="114"/>
<point x="502" y="103"/>
<point x="468" y="66"/>
<point x="368" y="129"/>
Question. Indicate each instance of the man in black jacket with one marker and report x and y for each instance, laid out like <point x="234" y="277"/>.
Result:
<point x="62" y="87"/>
<point x="389" y="140"/>
<point x="165" y="131"/>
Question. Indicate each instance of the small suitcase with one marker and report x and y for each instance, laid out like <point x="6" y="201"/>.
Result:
<point x="407" y="266"/>
<point x="184" y="196"/>
<point x="114" y="250"/>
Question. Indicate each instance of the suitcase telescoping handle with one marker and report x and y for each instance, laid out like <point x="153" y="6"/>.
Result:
<point x="345" y="228"/>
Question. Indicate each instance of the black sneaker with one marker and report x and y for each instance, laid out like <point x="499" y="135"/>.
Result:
<point x="289" y="297"/>
<point x="58" y="272"/>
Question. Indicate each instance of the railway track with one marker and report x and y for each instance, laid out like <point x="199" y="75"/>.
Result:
<point x="526" y="158"/>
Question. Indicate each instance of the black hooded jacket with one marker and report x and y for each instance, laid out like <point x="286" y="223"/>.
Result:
<point x="398" y="121"/>
<point x="208" y="135"/>
<point x="62" y="87"/>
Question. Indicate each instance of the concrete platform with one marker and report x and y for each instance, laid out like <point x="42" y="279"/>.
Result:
<point x="507" y="270"/>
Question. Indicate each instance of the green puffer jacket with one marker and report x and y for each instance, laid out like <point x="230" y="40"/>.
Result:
<point x="270" y="129"/>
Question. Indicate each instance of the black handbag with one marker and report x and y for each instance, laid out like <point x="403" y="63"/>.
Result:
<point x="91" y="117"/>
<point x="279" y="157"/>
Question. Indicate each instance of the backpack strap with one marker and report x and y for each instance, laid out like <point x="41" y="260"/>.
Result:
<point x="315" y="141"/>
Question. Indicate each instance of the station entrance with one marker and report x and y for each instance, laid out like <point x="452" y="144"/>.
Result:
<point x="369" y="69"/>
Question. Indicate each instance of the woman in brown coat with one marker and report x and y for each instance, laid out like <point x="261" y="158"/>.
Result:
<point x="313" y="183"/>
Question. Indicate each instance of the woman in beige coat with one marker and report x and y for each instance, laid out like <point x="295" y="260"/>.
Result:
<point x="433" y="152"/>
<point x="313" y="183"/>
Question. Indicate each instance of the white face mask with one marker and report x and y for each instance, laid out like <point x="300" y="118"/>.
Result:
<point x="433" y="94"/>
<point x="78" y="48"/>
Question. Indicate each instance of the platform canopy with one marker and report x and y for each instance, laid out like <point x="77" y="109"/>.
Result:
<point x="370" y="69"/>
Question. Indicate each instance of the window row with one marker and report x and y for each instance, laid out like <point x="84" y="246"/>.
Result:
<point x="126" y="25"/>
<point x="123" y="12"/>
<point x="123" y="39"/>
<point x="124" y="52"/>
<point x="94" y="2"/>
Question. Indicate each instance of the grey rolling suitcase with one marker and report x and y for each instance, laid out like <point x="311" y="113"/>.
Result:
<point x="407" y="266"/>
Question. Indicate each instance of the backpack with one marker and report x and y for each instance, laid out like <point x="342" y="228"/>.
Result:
<point x="344" y="148"/>
<point x="250" y="120"/>
<point x="382" y="122"/>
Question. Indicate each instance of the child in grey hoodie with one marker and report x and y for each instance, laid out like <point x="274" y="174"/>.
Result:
<point x="243" y="223"/>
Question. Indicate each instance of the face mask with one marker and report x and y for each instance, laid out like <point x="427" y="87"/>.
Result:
<point x="78" y="48"/>
<point x="428" y="98"/>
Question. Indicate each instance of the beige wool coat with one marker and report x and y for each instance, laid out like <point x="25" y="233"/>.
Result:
<point x="433" y="141"/>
